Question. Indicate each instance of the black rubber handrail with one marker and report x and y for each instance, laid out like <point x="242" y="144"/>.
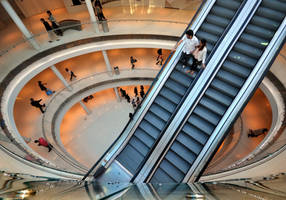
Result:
<point x="138" y="107"/>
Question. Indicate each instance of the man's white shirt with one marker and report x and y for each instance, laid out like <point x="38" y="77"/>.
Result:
<point x="190" y="44"/>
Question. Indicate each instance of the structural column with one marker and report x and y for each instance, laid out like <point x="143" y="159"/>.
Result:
<point x="92" y="15"/>
<point x="19" y="23"/>
<point x="60" y="76"/>
<point x="84" y="107"/>
<point x="117" y="94"/>
<point x="107" y="63"/>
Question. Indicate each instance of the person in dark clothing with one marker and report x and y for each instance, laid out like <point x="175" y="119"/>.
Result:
<point x="159" y="57"/>
<point x="135" y="91"/>
<point x="130" y="116"/>
<point x="133" y="102"/>
<point x="257" y="132"/>
<point x="42" y="86"/>
<point x="36" y="103"/>
<point x="76" y="2"/>
<point x="42" y="142"/>
<point x="45" y="89"/>
<point x="142" y="93"/>
<point x="86" y="99"/>
<point x="122" y="92"/>
<point x="99" y="13"/>
<point x="127" y="97"/>
<point x="55" y="24"/>
<point x="97" y="3"/>
<point x="132" y="61"/>
<point x="72" y="75"/>
<point x="49" y="29"/>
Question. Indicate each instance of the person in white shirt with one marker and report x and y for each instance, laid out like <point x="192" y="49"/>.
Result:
<point x="191" y="42"/>
<point x="200" y="54"/>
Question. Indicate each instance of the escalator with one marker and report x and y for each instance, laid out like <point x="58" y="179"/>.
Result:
<point x="213" y="113"/>
<point x="173" y="92"/>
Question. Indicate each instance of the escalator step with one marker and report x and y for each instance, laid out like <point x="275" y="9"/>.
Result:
<point x="189" y="142"/>
<point x="201" y="124"/>
<point x="170" y="95"/>
<point x="172" y="171"/>
<point x="249" y="50"/>
<point x="181" y="77"/>
<point x="209" y="37"/>
<point x="216" y="20"/>
<point x="275" y="5"/>
<point x="213" y="105"/>
<point x="138" y="145"/>
<point x="145" y="138"/>
<point x="161" y="112"/>
<point x="222" y="12"/>
<point x="242" y="59"/>
<point x="139" y="131"/>
<point x="150" y="128"/>
<point x="254" y="40"/>
<point x="161" y="176"/>
<point x="165" y="103"/>
<point x="257" y="30"/>
<point x="130" y="158"/>
<point x="194" y="132"/>
<point x="233" y="5"/>
<point x="265" y="22"/>
<point x="180" y="89"/>
<point x="236" y="69"/>
<point x="210" y="28"/>
<point x="155" y="121"/>
<point x="207" y="114"/>
<point x="230" y="78"/>
<point x="270" y="13"/>
<point x="224" y="87"/>
<point x="177" y="161"/>
<point x="184" y="152"/>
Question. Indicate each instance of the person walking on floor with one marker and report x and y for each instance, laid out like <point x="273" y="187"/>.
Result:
<point x="123" y="92"/>
<point x="142" y="93"/>
<point x="200" y="55"/>
<point x="36" y="103"/>
<point x="49" y="29"/>
<point x="159" y="58"/>
<point x="42" y="86"/>
<point x="42" y="142"/>
<point x="127" y="97"/>
<point x="45" y="89"/>
<point x="98" y="12"/>
<point x="132" y="61"/>
<point x="133" y="102"/>
<point x="190" y="43"/>
<point x="72" y="75"/>
<point x="135" y="91"/>
<point x="55" y="24"/>
<point x="257" y="132"/>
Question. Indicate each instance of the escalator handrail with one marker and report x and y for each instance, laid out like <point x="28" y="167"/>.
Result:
<point x="139" y="106"/>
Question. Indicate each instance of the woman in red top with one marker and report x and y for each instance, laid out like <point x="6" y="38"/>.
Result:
<point x="42" y="142"/>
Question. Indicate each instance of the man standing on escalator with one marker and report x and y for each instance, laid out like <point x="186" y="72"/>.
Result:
<point x="191" y="42"/>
